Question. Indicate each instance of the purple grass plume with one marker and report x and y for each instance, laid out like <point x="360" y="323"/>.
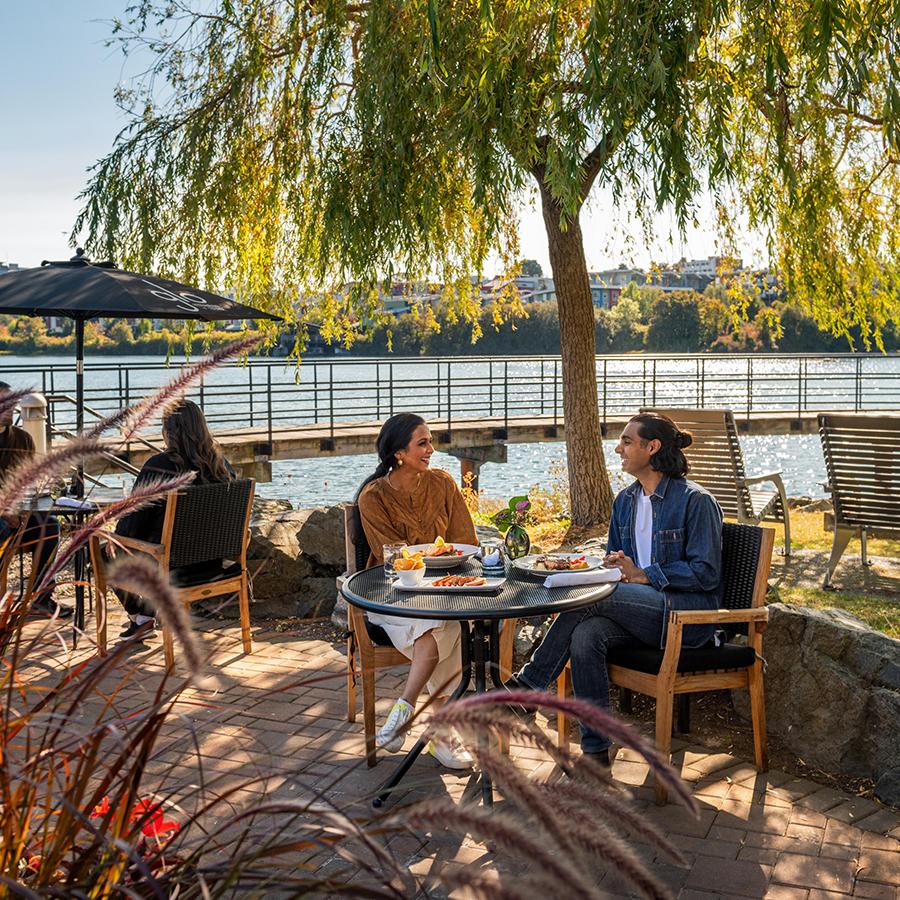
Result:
<point x="595" y="718"/>
<point x="33" y="473"/>
<point x="140" y="497"/>
<point x="140" y="576"/>
<point x="502" y="831"/>
<point x="136" y="417"/>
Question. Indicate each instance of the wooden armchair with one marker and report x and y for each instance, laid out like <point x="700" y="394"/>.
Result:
<point x="203" y="524"/>
<point x="676" y="672"/>
<point x="371" y="643"/>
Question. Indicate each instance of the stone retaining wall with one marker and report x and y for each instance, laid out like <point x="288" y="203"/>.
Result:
<point x="833" y="693"/>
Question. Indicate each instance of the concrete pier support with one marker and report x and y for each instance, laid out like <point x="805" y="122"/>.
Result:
<point x="472" y="458"/>
<point x="260" y="469"/>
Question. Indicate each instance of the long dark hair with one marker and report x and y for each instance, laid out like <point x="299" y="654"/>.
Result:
<point x="18" y="447"/>
<point x="395" y="434"/>
<point x="190" y="444"/>
<point x="670" y="458"/>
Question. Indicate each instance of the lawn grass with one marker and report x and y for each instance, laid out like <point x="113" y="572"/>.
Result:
<point x="808" y="533"/>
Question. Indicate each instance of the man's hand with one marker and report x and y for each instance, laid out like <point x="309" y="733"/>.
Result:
<point x="630" y="572"/>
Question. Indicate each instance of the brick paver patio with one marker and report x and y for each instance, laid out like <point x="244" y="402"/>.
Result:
<point x="282" y="712"/>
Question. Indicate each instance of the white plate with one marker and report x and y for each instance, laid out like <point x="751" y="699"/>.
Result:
<point x="444" y="562"/>
<point x="526" y="563"/>
<point x="490" y="584"/>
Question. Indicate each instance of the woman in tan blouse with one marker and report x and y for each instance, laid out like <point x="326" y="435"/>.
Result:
<point x="406" y="502"/>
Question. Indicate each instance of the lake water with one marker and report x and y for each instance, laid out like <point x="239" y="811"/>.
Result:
<point x="363" y="389"/>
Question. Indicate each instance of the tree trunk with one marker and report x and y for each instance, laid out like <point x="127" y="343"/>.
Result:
<point x="589" y="489"/>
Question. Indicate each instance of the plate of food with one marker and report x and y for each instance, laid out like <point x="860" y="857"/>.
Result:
<point x="454" y="584"/>
<point x="442" y="554"/>
<point x="548" y="563"/>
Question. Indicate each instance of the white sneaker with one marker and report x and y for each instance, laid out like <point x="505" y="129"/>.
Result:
<point x="451" y="753"/>
<point x="387" y="738"/>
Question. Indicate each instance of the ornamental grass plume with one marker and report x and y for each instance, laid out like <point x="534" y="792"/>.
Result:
<point x="143" y="577"/>
<point x="140" y="497"/>
<point x="140" y="414"/>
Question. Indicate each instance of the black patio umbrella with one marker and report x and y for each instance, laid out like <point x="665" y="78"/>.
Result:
<point x="79" y="289"/>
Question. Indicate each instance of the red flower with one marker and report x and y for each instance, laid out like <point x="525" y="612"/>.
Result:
<point x="101" y="809"/>
<point x="155" y="825"/>
<point x="34" y="863"/>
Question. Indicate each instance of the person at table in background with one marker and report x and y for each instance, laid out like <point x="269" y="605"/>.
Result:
<point x="665" y="537"/>
<point x="405" y="501"/>
<point x="40" y="534"/>
<point x="189" y="448"/>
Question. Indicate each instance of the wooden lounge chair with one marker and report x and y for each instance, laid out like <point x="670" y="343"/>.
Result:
<point x="372" y="645"/>
<point x="673" y="672"/>
<point x="862" y="459"/>
<point x="203" y="523"/>
<point x="717" y="463"/>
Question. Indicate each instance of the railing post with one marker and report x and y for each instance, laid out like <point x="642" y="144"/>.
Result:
<point x="391" y="385"/>
<point x="799" y="386"/>
<point x="331" y="401"/>
<point x="605" y="382"/>
<point x="490" y="388"/>
<point x="857" y="394"/>
<point x="654" y="381"/>
<point x="749" y="386"/>
<point x="643" y="382"/>
<point x="269" y="400"/>
<point x="250" y="388"/>
<point x="449" y="399"/>
<point x="699" y="385"/>
<point x="555" y="392"/>
<point x="437" y="384"/>
<point x="378" y="391"/>
<point x="506" y="396"/>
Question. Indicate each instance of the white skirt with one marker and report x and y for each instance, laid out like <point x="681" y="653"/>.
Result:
<point x="405" y="632"/>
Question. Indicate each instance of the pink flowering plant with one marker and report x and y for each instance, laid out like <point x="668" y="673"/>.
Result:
<point x="514" y="513"/>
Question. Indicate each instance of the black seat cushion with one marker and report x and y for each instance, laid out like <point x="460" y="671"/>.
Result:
<point x="202" y="573"/>
<point x="703" y="659"/>
<point x="378" y="635"/>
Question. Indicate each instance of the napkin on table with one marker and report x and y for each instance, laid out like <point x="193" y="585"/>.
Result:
<point x="75" y="503"/>
<point x="595" y="576"/>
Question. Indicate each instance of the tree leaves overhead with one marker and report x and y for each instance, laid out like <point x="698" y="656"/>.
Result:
<point x="278" y="145"/>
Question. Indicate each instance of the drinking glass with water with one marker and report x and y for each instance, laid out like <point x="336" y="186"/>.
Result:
<point x="391" y="552"/>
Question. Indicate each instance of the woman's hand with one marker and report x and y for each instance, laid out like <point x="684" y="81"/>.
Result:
<point x="630" y="571"/>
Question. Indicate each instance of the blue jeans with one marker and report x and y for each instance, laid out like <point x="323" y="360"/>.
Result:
<point x="635" y="614"/>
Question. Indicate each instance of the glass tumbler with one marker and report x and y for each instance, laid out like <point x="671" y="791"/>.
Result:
<point x="391" y="552"/>
<point x="491" y="547"/>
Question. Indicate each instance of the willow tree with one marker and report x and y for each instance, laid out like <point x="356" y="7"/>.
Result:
<point x="283" y="145"/>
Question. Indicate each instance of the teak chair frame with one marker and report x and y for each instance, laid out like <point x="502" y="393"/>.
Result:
<point x="238" y="583"/>
<point x="374" y="656"/>
<point x="669" y="683"/>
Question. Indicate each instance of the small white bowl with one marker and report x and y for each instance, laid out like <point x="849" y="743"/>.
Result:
<point x="411" y="577"/>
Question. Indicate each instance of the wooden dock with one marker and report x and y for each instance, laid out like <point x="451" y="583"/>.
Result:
<point x="472" y="440"/>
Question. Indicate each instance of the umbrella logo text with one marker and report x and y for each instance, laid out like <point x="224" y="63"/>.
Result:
<point x="187" y="302"/>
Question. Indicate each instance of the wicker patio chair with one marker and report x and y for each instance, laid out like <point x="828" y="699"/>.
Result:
<point x="202" y="524"/>
<point x="675" y="672"/>
<point x="717" y="463"/>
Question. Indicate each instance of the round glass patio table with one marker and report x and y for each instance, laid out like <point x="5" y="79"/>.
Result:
<point x="479" y="614"/>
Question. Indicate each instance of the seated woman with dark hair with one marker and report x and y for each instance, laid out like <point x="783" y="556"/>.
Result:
<point x="38" y="532"/>
<point x="405" y="501"/>
<point x="189" y="448"/>
<point x="665" y="537"/>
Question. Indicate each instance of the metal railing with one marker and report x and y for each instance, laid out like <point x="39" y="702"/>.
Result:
<point x="266" y="395"/>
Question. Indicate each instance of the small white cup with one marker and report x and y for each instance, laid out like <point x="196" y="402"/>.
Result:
<point x="411" y="577"/>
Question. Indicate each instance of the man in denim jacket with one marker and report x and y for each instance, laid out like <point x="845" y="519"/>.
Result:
<point x="666" y="538"/>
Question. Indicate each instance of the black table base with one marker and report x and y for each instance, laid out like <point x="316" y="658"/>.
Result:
<point x="480" y="654"/>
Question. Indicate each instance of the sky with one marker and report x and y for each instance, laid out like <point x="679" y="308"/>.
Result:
<point x="58" y="117"/>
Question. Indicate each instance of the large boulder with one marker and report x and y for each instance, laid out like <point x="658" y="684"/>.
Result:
<point x="295" y="555"/>
<point x="833" y="693"/>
